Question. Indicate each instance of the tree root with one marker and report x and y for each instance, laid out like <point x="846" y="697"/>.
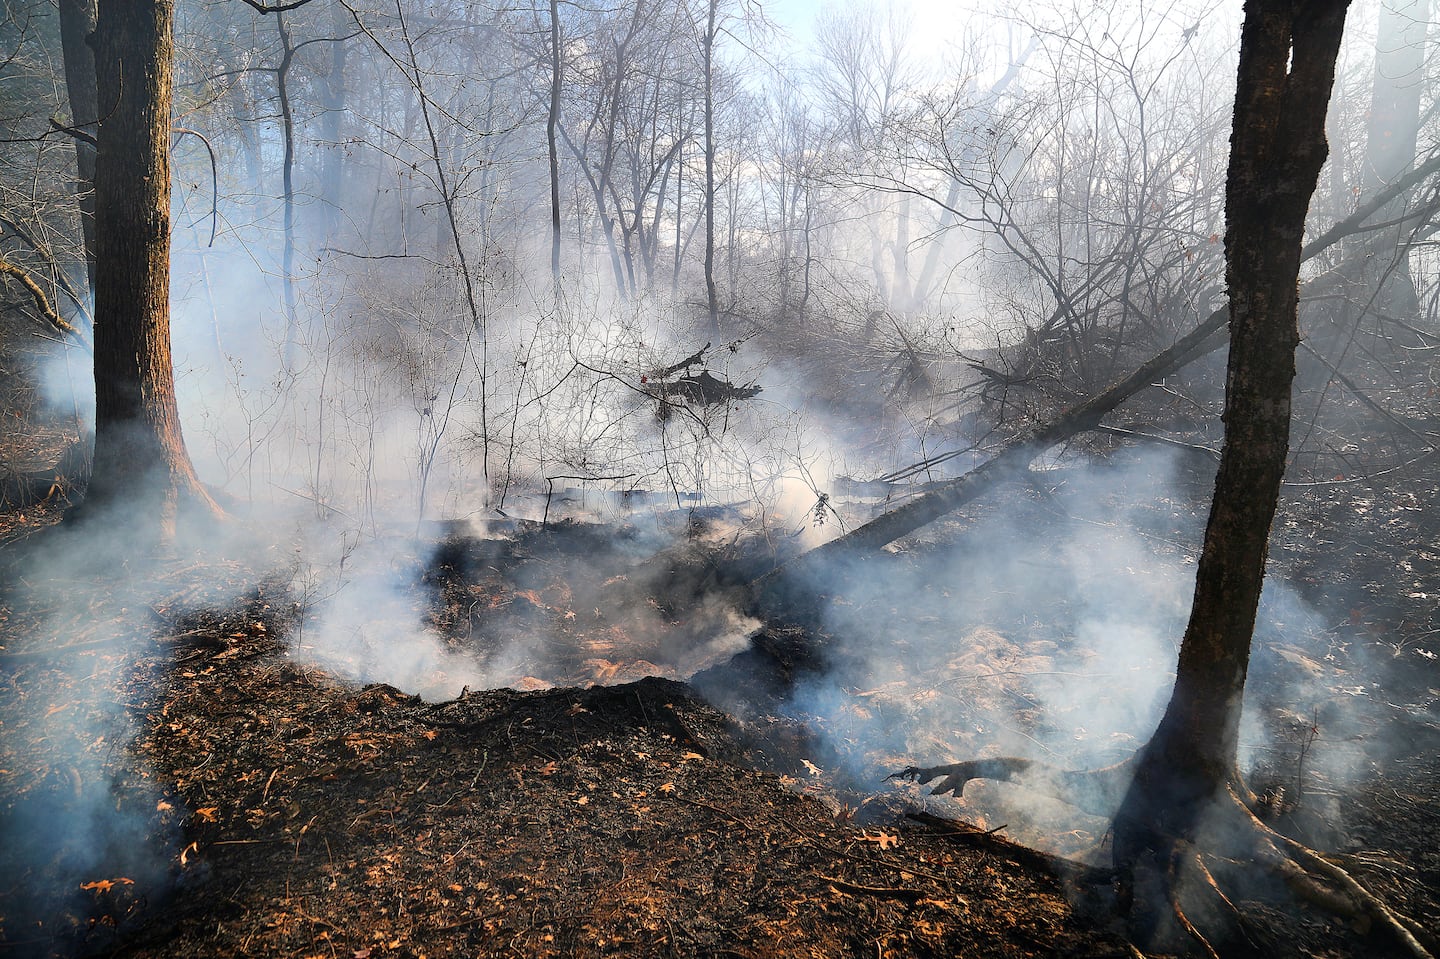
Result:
<point x="1406" y="931"/>
<point x="1177" y="860"/>
<point x="1232" y="839"/>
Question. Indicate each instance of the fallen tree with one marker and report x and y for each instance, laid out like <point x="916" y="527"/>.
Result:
<point x="774" y="595"/>
<point x="1185" y="827"/>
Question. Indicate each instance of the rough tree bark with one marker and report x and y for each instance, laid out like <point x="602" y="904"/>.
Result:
<point x="140" y="463"/>
<point x="1288" y="50"/>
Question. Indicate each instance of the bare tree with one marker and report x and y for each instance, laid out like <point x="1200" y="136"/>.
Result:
<point x="867" y="83"/>
<point x="1102" y="193"/>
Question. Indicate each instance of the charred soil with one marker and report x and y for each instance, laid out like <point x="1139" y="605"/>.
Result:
<point x="179" y="779"/>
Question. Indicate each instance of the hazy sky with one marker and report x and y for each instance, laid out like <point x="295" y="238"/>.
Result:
<point x="938" y="32"/>
<point x="938" y="24"/>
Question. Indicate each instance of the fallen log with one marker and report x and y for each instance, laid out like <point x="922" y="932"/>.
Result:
<point x="775" y="595"/>
<point x="772" y="595"/>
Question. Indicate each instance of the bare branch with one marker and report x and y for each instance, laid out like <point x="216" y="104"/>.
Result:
<point x="42" y="302"/>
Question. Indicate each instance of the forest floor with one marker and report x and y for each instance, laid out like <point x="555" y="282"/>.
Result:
<point x="180" y="777"/>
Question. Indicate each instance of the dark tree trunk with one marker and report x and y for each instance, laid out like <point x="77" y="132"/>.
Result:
<point x="140" y="458"/>
<point x="77" y="23"/>
<point x="1287" y="64"/>
<point x="287" y="194"/>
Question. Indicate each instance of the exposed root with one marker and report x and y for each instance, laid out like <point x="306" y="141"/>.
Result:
<point x="1406" y="931"/>
<point x="1233" y="836"/>
<point x="1177" y="859"/>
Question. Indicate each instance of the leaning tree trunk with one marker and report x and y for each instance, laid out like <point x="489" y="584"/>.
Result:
<point x="1287" y="64"/>
<point x="771" y="596"/>
<point x="140" y="458"/>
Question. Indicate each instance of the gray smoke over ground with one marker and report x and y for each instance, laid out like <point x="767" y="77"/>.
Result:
<point x="1046" y="625"/>
<point x="90" y="836"/>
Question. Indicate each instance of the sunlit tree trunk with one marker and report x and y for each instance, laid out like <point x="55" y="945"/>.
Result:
<point x="140" y="457"/>
<point x="1287" y="65"/>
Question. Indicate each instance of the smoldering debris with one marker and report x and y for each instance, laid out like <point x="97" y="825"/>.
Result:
<point x="569" y="603"/>
<point x="1043" y="624"/>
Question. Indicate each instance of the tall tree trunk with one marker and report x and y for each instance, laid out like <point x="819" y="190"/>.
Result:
<point x="1391" y="138"/>
<point x="287" y="187"/>
<point x="1287" y="65"/>
<point x="77" y="23"/>
<point x="552" y="119"/>
<point x="1394" y="121"/>
<point x="707" y="43"/>
<point x="902" y="297"/>
<point x="332" y="161"/>
<point x="140" y="457"/>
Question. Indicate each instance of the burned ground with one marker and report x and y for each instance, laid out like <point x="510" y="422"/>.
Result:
<point x="180" y="779"/>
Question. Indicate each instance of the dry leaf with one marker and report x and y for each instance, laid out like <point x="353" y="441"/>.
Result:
<point x="689" y="756"/>
<point x="105" y="885"/>
<point x="207" y="813"/>
<point x="582" y="801"/>
<point x="666" y="788"/>
<point x="882" y="839"/>
<point x="814" y="769"/>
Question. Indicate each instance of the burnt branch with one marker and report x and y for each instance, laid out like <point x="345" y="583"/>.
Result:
<point x="705" y="389"/>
